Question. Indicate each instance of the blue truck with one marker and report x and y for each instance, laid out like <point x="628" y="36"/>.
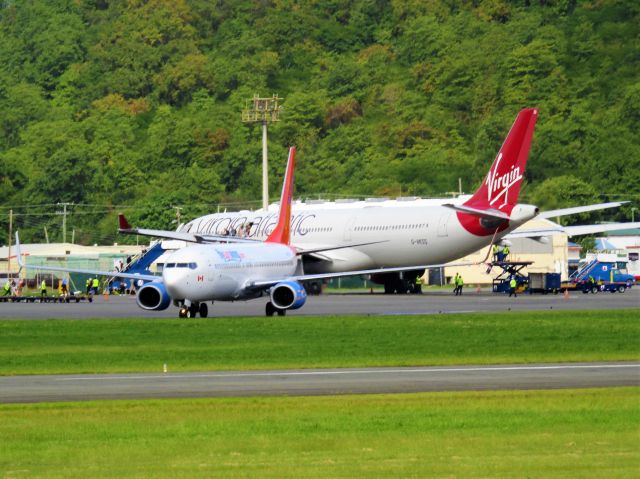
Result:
<point x="602" y="272"/>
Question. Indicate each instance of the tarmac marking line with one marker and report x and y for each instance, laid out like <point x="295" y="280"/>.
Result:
<point x="347" y="372"/>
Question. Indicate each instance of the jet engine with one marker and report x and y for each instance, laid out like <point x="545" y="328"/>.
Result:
<point x="288" y="295"/>
<point x="153" y="297"/>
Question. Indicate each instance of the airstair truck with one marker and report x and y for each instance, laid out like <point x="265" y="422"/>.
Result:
<point x="602" y="272"/>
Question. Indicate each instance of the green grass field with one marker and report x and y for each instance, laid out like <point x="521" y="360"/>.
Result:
<point x="536" y="434"/>
<point x="65" y="346"/>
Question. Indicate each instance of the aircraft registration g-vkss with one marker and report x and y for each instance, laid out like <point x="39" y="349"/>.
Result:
<point x="367" y="241"/>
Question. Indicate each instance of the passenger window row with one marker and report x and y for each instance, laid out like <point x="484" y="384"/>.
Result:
<point x="390" y="227"/>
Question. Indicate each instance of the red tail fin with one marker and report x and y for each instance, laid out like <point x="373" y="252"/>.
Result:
<point x="502" y="184"/>
<point x="282" y="232"/>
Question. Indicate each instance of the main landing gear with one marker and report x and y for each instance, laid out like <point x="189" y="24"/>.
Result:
<point x="270" y="309"/>
<point x="193" y="309"/>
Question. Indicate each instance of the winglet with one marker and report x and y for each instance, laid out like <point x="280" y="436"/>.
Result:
<point x="282" y="232"/>
<point x="123" y="223"/>
<point x="18" y="252"/>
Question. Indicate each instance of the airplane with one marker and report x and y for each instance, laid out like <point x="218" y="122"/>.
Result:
<point x="374" y="237"/>
<point x="214" y="267"/>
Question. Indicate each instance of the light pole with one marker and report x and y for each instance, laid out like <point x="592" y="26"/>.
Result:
<point x="265" y="110"/>
<point x="633" y="217"/>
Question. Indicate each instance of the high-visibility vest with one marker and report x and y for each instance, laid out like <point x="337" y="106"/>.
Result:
<point x="43" y="285"/>
<point x="7" y="286"/>
<point x="96" y="283"/>
<point x="513" y="283"/>
<point x="506" y="250"/>
<point x="460" y="281"/>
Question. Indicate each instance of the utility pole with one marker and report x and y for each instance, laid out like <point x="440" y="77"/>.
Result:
<point x="10" y="234"/>
<point x="64" y="220"/>
<point x="264" y="110"/>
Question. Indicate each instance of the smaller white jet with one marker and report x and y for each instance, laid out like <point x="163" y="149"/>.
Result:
<point x="237" y="270"/>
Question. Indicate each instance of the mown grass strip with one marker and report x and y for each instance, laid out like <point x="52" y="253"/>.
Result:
<point x="67" y="346"/>
<point x="561" y="433"/>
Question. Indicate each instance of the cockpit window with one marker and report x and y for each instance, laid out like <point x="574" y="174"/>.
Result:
<point x="182" y="265"/>
<point x="170" y="265"/>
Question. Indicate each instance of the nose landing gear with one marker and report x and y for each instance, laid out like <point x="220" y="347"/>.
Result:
<point x="191" y="310"/>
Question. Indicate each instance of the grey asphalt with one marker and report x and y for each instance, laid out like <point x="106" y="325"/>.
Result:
<point x="21" y="389"/>
<point x="337" y="304"/>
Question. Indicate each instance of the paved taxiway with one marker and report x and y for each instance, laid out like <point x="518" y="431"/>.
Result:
<point x="317" y="382"/>
<point x="334" y="304"/>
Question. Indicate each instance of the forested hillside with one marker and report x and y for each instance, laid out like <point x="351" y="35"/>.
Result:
<point x="136" y="105"/>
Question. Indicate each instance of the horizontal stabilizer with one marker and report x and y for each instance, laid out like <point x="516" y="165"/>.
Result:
<point x="489" y="214"/>
<point x="580" y="209"/>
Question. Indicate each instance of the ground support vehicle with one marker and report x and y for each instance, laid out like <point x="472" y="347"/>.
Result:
<point x="510" y="269"/>
<point x="544" y="283"/>
<point x="72" y="298"/>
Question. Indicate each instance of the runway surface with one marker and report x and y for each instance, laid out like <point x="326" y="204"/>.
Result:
<point x="14" y="389"/>
<point x="337" y="304"/>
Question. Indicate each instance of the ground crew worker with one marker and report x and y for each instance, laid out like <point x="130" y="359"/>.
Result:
<point x="96" y="285"/>
<point x="455" y="284"/>
<point x="89" y="284"/>
<point x="496" y="253"/>
<point x="7" y="288"/>
<point x="505" y="253"/>
<point x="63" y="287"/>
<point x="460" y="284"/>
<point x="43" y="289"/>
<point x="512" y="286"/>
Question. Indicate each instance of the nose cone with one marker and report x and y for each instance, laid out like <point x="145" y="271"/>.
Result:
<point x="177" y="273"/>
<point x="523" y="213"/>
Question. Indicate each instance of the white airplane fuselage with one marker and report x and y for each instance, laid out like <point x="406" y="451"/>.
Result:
<point x="405" y="236"/>
<point x="222" y="272"/>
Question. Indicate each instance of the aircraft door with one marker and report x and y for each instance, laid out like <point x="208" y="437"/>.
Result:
<point x="443" y="223"/>
<point x="348" y="230"/>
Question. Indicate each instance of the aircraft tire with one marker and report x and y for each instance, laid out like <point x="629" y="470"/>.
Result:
<point x="269" y="309"/>
<point x="182" y="313"/>
<point x="193" y="310"/>
<point x="204" y="310"/>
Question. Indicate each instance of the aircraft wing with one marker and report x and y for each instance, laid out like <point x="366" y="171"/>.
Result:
<point x="111" y="274"/>
<point x="571" y="230"/>
<point x="307" y="277"/>
<point x="322" y="249"/>
<point x="580" y="209"/>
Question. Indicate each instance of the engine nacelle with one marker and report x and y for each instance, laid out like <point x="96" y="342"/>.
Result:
<point x="288" y="295"/>
<point x="153" y="297"/>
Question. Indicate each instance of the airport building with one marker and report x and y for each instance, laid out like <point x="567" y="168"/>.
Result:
<point x="103" y="258"/>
